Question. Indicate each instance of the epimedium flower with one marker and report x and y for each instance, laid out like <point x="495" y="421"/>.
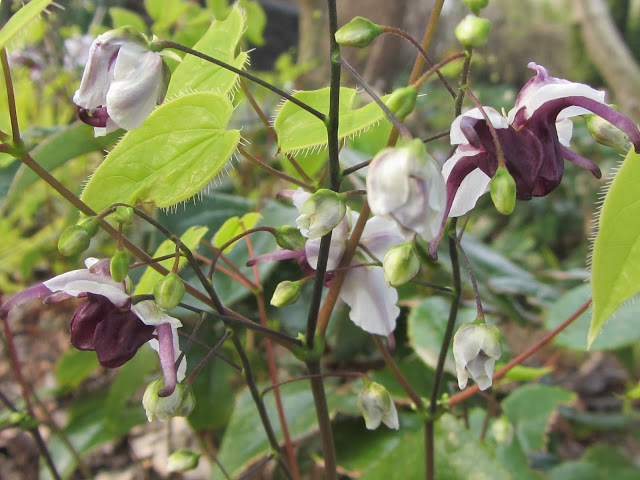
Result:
<point x="376" y="405"/>
<point x="321" y="213"/>
<point x="122" y="82"/>
<point x="405" y="184"/>
<point x="107" y="322"/>
<point x="534" y="138"/>
<point x="476" y="347"/>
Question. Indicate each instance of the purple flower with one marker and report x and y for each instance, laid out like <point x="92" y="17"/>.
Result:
<point x="122" y="82"/>
<point x="106" y="322"/>
<point x="534" y="138"/>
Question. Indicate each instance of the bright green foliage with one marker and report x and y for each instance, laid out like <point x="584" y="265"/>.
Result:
<point x="220" y="42"/>
<point x="233" y="227"/>
<point x="165" y="161"/>
<point x="190" y="239"/>
<point x="615" y="269"/>
<point x="165" y="12"/>
<point x="74" y="366"/>
<point x="529" y="409"/>
<point x="298" y="130"/>
<point x="122" y="17"/>
<point x="21" y="19"/>
<point x="521" y="373"/>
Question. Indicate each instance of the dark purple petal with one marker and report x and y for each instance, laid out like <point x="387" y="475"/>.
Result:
<point x="37" y="291"/>
<point x="85" y="320"/>
<point x="167" y="359"/>
<point x="96" y="117"/>
<point x="581" y="162"/>
<point x="118" y="336"/>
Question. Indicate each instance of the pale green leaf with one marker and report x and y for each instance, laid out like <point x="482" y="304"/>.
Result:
<point x="220" y="42"/>
<point x="165" y="12"/>
<point x="615" y="270"/>
<point x="21" y="19"/>
<point x="233" y="227"/>
<point x="74" y="366"/>
<point x="122" y="17"/>
<point x="191" y="238"/>
<point x="298" y="130"/>
<point x="176" y="152"/>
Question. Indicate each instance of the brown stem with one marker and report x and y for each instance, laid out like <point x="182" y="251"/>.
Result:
<point x="397" y="373"/>
<point x="273" y="171"/>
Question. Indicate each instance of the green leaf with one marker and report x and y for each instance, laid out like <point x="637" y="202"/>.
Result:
<point x="383" y="453"/>
<point x="177" y="151"/>
<point x="521" y="373"/>
<point x="165" y="12"/>
<point x="256" y="21"/>
<point x="621" y="330"/>
<point x="529" y="409"/>
<point x="298" y="130"/>
<point x="74" y="366"/>
<point x="220" y="42"/>
<point x="70" y="142"/>
<point x="191" y="238"/>
<point x="426" y="325"/>
<point x="615" y="271"/>
<point x="233" y="227"/>
<point x="599" y="462"/>
<point x="122" y="17"/>
<point x="244" y="440"/>
<point x="21" y="19"/>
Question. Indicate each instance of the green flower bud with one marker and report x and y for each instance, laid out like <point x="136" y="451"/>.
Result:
<point x="321" y="213"/>
<point x="119" y="265"/>
<point x="359" y="32"/>
<point x="73" y="240"/>
<point x="376" y="405"/>
<point x="286" y="293"/>
<point x="182" y="460"/>
<point x="400" y="264"/>
<point x="123" y="215"/>
<point x="402" y="101"/>
<point x="89" y="224"/>
<point x="179" y="404"/>
<point x="289" y="238"/>
<point x="476" y="5"/>
<point x="473" y="32"/>
<point x="503" y="191"/>
<point x="605" y="133"/>
<point x="168" y="292"/>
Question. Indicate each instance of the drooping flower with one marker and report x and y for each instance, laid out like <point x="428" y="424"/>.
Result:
<point x="122" y="82"/>
<point x="321" y="213"/>
<point x="376" y="405"/>
<point x="405" y="184"/>
<point x="534" y="138"/>
<point x="106" y="322"/>
<point x="476" y="347"/>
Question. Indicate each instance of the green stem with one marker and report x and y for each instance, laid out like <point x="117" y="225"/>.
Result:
<point x="324" y="421"/>
<point x="256" y="161"/>
<point x="390" y="362"/>
<point x="11" y="99"/>
<point x="242" y="73"/>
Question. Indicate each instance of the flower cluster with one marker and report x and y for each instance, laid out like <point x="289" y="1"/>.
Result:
<point x="107" y="322"/>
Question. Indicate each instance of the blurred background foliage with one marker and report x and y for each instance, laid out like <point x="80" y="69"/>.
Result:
<point x="531" y="265"/>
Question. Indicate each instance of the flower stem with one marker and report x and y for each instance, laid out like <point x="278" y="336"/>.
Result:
<point x="472" y="390"/>
<point x="273" y="171"/>
<point x="492" y="130"/>
<point x="476" y="293"/>
<point x="11" y="99"/>
<point x="320" y="375"/>
<point x="390" y="362"/>
<point x="242" y="73"/>
<point x="324" y="421"/>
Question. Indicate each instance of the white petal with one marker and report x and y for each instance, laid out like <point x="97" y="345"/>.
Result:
<point x="565" y="131"/>
<point x="380" y="234"/>
<point x="497" y="120"/>
<point x="390" y="419"/>
<point x="387" y="180"/>
<point x="371" y="299"/>
<point x="299" y="197"/>
<point x="472" y="187"/>
<point x="77" y="282"/>
<point x="150" y="314"/>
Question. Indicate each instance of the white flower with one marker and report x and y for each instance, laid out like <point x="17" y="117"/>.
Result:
<point x="376" y="405"/>
<point x="476" y="347"/>
<point x="321" y="213"/>
<point x="405" y="184"/>
<point x="122" y="82"/>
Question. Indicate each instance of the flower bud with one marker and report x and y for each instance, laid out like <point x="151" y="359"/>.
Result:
<point x="503" y="191"/>
<point x="476" y="5"/>
<point x="400" y="264"/>
<point x="179" y="404"/>
<point x="119" y="266"/>
<point x="359" y="32"/>
<point x="168" y="292"/>
<point x="123" y="215"/>
<point x="473" y="32"/>
<point x="183" y="460"/>
<point x="289" y="238"/>
<point x="376" y="405"/>
<point x="286" y="293"/>
<point x="402" y="101"/>
<point x="321" y="213"/>
<point x="73" y="240"/>
<point x="476" y="347"/>
<point x="502" y="430"/>
<point x="89" y="224"/>
<point x="605" y="133"/>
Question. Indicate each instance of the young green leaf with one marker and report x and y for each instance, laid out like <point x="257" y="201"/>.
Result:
<point x="177" y="151"/>
<point x="233" y="227"/>
<point x="298" y="130"/>
<point x="615" y="270"/>
<point x="21" y="19"/>
<point x="220" y="42"/>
